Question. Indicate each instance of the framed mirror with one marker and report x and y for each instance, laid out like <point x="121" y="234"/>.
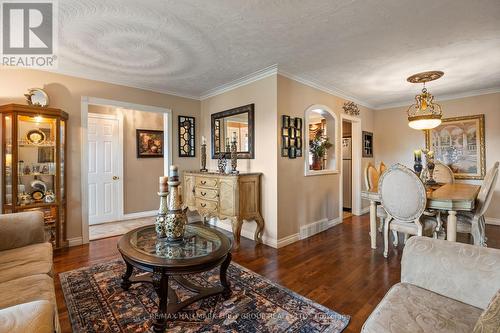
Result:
<point x="234" y="124"/>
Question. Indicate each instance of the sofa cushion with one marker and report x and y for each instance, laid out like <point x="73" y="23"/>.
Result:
<point x="25" y="261"/>
<point x="28" y="289"/>
<point x="410" y="309"/>
<point x="489" y="321"/>
<point x="32" y="317"/>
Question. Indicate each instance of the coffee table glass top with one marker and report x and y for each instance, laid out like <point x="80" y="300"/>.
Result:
<point x="198" y="242"/>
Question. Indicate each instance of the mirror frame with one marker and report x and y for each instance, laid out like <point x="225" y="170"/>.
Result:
<point x="251" y="130"/>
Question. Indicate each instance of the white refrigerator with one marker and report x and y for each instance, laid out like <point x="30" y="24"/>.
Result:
<point x="347" y="172"/>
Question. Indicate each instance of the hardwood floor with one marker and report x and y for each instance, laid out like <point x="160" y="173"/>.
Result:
<point x="335" y="268"/>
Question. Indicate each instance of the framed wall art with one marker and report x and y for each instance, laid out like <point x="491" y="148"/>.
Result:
<point x="367" y="144"/>
<point x="459" y="143"/>
<point x="149" y="143"/>
<point x="291" y="137"/>
<point x="187" y="131"/>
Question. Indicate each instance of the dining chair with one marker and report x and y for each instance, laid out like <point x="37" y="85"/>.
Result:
<point x="381" y="168"/>
<point x="371" y="181"/>
<point x="473" y="223"/>
<point x="442" y="173"/>
<point x="404" y="198"/>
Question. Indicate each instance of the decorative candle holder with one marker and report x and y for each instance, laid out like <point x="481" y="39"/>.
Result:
<point x="171" y="220"/>
<point x="221" y="163"/>
<point x="234" y="157"/>
<point x="204" y="158"/>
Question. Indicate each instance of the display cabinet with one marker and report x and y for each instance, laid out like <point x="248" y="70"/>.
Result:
<point x="33" y="165"/>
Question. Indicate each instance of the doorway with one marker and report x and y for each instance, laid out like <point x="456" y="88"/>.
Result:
<point x="350" y="167"/>
<point x="347" y="169"/>
<point x="110" y="167"/>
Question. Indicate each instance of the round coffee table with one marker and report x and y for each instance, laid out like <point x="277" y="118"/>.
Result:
<point x="203" y="249"/>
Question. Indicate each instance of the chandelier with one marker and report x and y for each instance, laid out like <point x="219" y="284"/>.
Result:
<point x="425" y="113"/>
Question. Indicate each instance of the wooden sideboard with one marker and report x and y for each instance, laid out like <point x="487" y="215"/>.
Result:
<point x="226" y="196"/>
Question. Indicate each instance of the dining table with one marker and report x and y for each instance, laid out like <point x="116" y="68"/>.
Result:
<point x="452" y="197"/>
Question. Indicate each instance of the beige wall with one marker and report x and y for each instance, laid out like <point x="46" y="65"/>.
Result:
<point x="263" y="94"/>
<point x="395" y="141"/>
<point x="65" y="92"/>
<point x="135" y="169"/>
<point x="303" y="200"/>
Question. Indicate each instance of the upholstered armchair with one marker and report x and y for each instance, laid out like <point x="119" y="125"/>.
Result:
<point x="403" y="196"/>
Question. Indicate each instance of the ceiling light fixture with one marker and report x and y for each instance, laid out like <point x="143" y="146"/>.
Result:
<point x="425" y="113"/>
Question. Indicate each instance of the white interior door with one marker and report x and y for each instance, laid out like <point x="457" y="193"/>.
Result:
<point x="104" y="169"/>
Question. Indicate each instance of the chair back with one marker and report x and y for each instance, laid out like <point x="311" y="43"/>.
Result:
<point x="443" y="174"/>
<point x="381" y="168"/>
<point x="371" y="176"/>
<point x="402" y="193"/>
<point x="486" y="191"/>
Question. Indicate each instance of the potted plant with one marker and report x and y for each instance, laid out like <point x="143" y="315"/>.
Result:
<point x="318" y="147"/>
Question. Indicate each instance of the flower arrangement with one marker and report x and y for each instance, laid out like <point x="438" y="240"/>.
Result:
<point x="318" y="146"/>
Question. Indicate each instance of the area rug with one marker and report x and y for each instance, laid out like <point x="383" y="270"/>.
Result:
<point x="96" y="303"/>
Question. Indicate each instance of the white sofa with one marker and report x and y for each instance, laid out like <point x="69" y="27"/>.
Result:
<point x="28" y="301"/>
<point x="445" y="286"/>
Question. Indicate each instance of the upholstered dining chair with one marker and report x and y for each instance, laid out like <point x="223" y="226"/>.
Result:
<point x="404" y="198"/>
<point x="473" y="223"/>
<point x="371" y="181"/>
<point x="442" y="173"/>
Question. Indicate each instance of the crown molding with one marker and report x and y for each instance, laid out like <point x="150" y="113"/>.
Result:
<point x="247" y="79"/>
<point x="319" y="86"/>
<point x="446" y="97"/>
<point x="119" y="83"/>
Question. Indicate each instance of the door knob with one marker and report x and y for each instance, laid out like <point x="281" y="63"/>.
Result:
<point x="116" y="177"/>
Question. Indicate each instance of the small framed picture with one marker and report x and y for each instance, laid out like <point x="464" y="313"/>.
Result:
<point x="149" y="143"/>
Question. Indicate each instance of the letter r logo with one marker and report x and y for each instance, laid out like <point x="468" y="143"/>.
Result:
<point x="27" y="28"/>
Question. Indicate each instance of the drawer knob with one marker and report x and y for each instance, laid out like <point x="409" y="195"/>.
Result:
<point x="203" y="182"/>
<point x="203" y="204"/>
<point x="203" y="193"/>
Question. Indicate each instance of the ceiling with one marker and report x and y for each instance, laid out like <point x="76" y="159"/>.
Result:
<point x="360" y="49"/>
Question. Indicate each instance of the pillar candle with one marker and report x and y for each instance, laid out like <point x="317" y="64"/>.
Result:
<point x="174" y="174"/>
<point x="163" y="184"/>
<point x="203" y="140"/>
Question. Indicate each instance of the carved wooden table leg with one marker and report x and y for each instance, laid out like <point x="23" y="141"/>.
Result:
<point x="125" y="284"/>
<point x="451" y="226"/>
<point x="237" y="223"/>
<point x="226" y="293"/>
<point x="160" y="283"/>
<point x="259" y="230"/>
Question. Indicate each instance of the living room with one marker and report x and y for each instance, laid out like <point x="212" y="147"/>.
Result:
<point x="184" y="166"/>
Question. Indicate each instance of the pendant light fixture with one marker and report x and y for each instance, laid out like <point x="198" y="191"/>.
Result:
<point x="425" y="113"/>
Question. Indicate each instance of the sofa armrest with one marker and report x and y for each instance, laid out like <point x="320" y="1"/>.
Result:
<point x="463" y="272"/>
<point x="37" y="316"/>
<point x="21" y="229"/>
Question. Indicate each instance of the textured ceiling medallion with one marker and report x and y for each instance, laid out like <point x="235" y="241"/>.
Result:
<point x="425" y="113"/>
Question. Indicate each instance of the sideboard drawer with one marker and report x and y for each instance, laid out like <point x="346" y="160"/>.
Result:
<point x="206" y="205"/>
<point x="206" y="181"/>
<point x="206" y="193"/>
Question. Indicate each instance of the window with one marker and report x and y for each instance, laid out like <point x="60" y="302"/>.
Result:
<point x="321" y="140"/>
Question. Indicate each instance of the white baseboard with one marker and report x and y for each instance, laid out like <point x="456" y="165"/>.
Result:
<point x="287" y="240"/>
<point x="75" y="241"/>
<point x="316" y="227"/>
<point x="226" y="225"/>
<point x="364" y="210"/>
<point x="492" y="220"/>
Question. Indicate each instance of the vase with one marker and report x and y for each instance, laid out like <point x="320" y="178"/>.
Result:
<point x="317" y="163"/>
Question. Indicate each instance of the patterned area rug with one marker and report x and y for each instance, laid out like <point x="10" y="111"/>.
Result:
<point x="96" y="303"/>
